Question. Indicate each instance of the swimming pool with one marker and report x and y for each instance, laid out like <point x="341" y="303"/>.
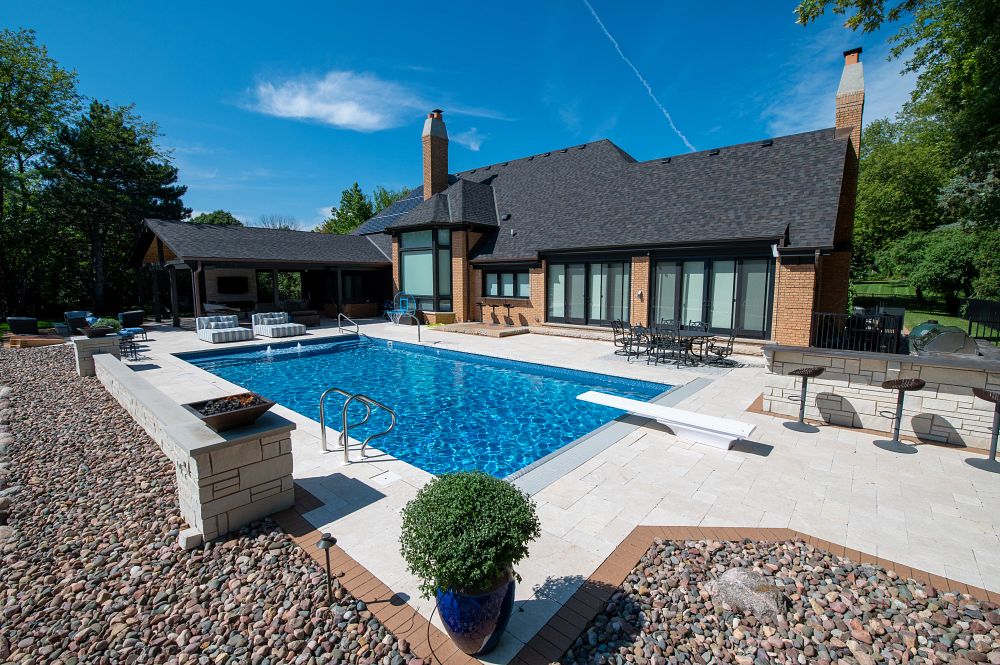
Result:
<point x="457" y="411"/>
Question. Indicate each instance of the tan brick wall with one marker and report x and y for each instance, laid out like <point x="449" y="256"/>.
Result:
<point x="794" y="298"/>
<point x="834" y="278"/>
<point x="435" y="165"/>
<point x="640" y="283"/>
<point x="522" y="312"/>
<point x="460" y="275"/>
<point x="395" y="265"/>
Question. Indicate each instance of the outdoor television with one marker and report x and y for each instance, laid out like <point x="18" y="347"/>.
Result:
<point x="232" y="285"/>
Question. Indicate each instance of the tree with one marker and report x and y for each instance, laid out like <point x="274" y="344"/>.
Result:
<point x="36" y="98"/>
<point x="281" y="222"/>
<point x="217" y="218"/>
<point x="383" y="197"/>
<point x="903" y="167"/>
<point x="354" y="210"/>
<point x="105" y="175"/>
<point x="942" y="261"/>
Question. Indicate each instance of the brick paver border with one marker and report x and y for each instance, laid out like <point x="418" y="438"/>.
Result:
<point x="560" y="632"/>
<point x="426" y="640"/>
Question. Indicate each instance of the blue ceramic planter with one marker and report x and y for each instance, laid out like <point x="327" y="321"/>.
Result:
<point x="475" y="623"/>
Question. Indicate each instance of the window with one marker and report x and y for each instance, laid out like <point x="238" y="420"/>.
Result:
<point x="507" y="284"/>
<point x="730" y="294"/>
<point x="589" y="293"/>
<point x="425" y="268"/>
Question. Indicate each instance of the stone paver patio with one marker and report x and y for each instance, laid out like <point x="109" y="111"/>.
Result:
<point x="930" y="510"/>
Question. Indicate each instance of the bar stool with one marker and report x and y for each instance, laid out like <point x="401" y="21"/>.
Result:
<point x="509" y="320"/>
<point x="903" y="386"/>
<point x="481" y="305"/>
<point x="990" y="464"/>
<point x="806" y="373"/>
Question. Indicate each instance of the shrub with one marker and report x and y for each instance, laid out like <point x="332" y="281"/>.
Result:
<point x="106" y="322"/>
<point x="464" y="530"/>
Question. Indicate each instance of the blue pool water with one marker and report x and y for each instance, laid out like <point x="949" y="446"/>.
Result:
<point x="456" y="411"/>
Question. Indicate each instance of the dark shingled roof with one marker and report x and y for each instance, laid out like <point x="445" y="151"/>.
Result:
<point x="596" y="196"/>
<point x="258" y="245"/>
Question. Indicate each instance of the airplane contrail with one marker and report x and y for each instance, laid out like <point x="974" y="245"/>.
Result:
<point x="649" y="90"/>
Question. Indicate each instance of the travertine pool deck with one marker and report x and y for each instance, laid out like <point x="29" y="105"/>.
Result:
<point x="929" y="510"/>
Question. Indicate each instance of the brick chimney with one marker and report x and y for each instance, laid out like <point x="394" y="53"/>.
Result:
<point x="435" y="142"/>
<point x="851" y="98"/>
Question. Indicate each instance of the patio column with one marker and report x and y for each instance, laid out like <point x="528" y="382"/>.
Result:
<point x="157" y="312"/>
<point x="197" y="277"/>
<point x="274" y="288"/>
<point x="173" y="297"/>
<point x="340" y="291"/>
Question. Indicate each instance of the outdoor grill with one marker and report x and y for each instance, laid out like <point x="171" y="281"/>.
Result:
<point x="935" y="338"/>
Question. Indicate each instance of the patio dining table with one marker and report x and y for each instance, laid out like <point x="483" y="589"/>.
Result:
<point x="688" y="337"/>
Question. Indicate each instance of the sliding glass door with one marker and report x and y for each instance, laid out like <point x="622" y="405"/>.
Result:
<point x="588" y="293"/>
<point x="727" y="294"/>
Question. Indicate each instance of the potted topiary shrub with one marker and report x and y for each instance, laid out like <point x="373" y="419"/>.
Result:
<point x="102" y="327"/>
<point x="462" y="535"/>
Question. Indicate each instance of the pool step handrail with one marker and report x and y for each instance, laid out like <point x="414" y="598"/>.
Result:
<point x="346" y="426"/>
<point x="416" y="319"/>
<point x="343" y="317"/>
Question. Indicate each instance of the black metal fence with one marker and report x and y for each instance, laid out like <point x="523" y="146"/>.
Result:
<point x="880" y="333"/>
<point x="984" y="319"/>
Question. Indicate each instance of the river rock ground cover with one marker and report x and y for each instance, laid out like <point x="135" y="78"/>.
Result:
<point x="90" y="568"/>
<point x="835" y="611"/>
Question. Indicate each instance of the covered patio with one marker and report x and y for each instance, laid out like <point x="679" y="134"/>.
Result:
<point x="238" y="269"/>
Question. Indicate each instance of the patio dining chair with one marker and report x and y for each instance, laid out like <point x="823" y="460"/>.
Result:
<point x="664" y="344"/>
<point x="718" y="350"/>
<point x="622" y="336"/>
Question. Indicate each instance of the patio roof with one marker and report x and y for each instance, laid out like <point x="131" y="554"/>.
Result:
<point x="250" y="246"/>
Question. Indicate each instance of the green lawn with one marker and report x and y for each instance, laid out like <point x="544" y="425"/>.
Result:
<point x="915" y="314"/>
<point x="4" y="328"/>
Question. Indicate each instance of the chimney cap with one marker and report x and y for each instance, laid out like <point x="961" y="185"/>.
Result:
<point x="852" y="51"/>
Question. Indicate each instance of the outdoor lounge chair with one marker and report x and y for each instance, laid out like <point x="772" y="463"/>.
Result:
<point x="132" y="322"/>
<point x="276" y="324"/>
<point x="697" y="427"/>
<point x="76" y="320"/>
<point x="218" y="329"/>
<point x="22" y="325"/>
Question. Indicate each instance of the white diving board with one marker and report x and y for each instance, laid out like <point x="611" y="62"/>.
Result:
<point x="697" y="427"/>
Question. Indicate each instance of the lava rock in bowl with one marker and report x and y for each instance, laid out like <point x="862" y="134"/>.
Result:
<point x="230" y="412"/>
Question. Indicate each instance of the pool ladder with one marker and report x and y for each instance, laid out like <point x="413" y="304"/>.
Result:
<point x="368" y="403"/>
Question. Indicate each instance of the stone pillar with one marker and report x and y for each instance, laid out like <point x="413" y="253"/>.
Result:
<point x="460" y="304"/>
<point x="640" y="284"/>
<point x="794" y="299"/>
<point x="85" y="348"/>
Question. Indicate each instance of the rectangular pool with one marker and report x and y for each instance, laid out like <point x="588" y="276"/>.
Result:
<point x="456" y="411"/>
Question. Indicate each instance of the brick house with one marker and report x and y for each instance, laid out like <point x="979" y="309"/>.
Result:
<point x="750" y="238"/>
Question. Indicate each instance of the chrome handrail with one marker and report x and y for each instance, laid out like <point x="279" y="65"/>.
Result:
<point x="392" y="425"/>
<point x="346" y="426"/>
<point x="416" y="319"/>
<point x="342" y="317"/>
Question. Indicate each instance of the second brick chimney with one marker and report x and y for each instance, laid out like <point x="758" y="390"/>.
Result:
<point x="851" y="98"/>
<point x="435" y="143"/>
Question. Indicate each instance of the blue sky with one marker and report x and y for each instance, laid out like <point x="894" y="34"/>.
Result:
<point x="274" y="108"/>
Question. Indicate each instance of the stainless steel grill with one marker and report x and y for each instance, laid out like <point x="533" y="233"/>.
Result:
<point x="936" y="338"/>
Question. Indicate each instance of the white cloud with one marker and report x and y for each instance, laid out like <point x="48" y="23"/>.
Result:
<point x="359" y="101"/>
<point x="806" y="101"/>
<point x="345" y="99"/>
<point x="471" y="138"/>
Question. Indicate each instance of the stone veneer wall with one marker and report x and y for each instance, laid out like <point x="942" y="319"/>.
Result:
<point x="849" y="392"/>
<point x="85" y="348"/>
<point x="224" y="480"/>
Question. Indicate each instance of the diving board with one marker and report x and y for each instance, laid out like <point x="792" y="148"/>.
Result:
<point x="697" y="427"/>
